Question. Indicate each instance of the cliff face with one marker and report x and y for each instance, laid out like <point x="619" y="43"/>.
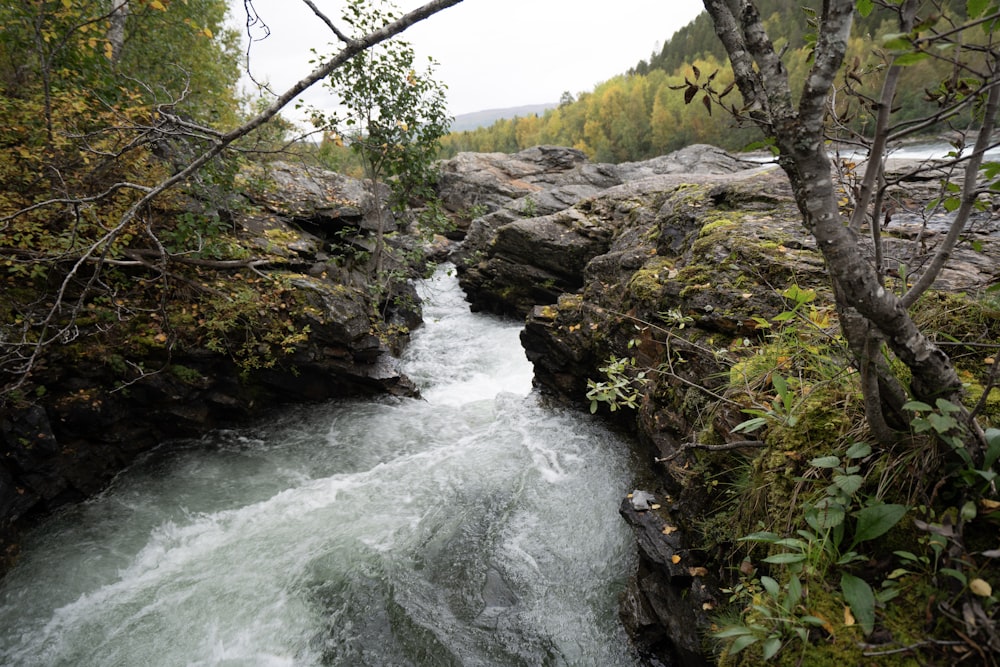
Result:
<point x="295" y="322"/>
<point x="659" y="301"/>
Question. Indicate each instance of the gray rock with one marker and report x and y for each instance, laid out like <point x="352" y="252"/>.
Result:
<point x="641" y="500"/>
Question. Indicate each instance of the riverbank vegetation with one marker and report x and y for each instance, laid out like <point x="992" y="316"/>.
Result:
<point x="864" y="513"/>
<point x="128" y="155"/>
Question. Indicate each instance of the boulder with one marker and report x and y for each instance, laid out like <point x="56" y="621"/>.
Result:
<point x="527" y="250"/>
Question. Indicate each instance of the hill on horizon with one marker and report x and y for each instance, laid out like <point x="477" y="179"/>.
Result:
<point x="485" y="118"/>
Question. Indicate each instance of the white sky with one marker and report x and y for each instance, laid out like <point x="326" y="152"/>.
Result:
<point x="491" y="53"/>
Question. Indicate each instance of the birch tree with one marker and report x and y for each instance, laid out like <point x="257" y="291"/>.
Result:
<point x="799" y="122"/>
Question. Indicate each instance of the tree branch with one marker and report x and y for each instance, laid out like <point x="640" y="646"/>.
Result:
<point x="969" y="195"/>
<point x="326" y="19"/>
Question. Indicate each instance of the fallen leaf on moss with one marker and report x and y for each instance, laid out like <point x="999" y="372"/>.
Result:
<point x="848" y="617"/>
<point x="981" y="587"/>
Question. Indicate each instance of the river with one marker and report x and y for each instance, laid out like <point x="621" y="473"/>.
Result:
<point x="477" y="526"/>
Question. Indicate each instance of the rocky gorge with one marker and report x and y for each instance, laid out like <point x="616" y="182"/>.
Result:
<point x="659" y="300"/>
<point x="649" y="292"/>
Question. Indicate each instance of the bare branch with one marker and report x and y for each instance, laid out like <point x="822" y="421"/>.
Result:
<point x="326" y="19"/>
<point x="969" y="195"/>
<point x="876" y="159"/>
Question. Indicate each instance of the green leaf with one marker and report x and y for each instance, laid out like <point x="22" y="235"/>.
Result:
<point x="858" y="450"/>
<point x="993" y="447"/>
<point x="792" y="543"/>
<point x="849" y="484"/>
<point x="954" y="574"/>
<point x="733" y="631"/>
<point x="785" y="558"/>
<point x="945" y="405"/>
<point x="974" y="8"/>
<point x="865" y="7"/>
<point x="771" y="586"/>
<point x="910" y="58"/>
<point x="917" y="406"/>
<point x="741" y="643"/>
<point x="771" y="647"/>
<point x="825" y="462"/>
<point x="876" y="520"/>
<point x="950" y="204"/>
<point x="812" y="620"/>
<point x="859" y="597"/>
<point x="897" y="41"/>
<point x="794" y="593"/>
<point x="825" y="516"/>
<point x="941" y="423"/>
<point x="750" y="425"/>
<point x="799" y="295"/>
<point x="762" y="536"/>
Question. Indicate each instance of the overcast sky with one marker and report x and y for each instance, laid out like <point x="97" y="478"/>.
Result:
<point x="492" y="53"/>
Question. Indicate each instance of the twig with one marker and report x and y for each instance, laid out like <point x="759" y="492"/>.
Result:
<point x="739" y="444"/>
<point x="911" y="647"/>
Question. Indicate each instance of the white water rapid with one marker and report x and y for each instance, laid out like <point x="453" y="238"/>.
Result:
<point x="475" y="527"/>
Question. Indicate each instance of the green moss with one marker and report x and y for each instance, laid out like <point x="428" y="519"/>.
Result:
<point x="185" y="374"/>
<point x="716" y="225"/>
<point x="646" y="284"/>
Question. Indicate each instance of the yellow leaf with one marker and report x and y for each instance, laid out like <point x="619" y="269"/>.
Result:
<point x="675" y="559"/>
<point x="156" y="4"/>
<point x="207" y="33"/>
<point x="981" y="588"/>
<point x="989" y="505"/>
<point x="654" y="506"/>
<point x="109" y="51"/>
<point x="848" y="617"/>
<point x="669" y="529"/>
<point x="161" y="338"/>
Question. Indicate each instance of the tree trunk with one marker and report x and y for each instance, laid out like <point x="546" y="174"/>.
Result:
<point x="116" y="32"/>
<point x="799" y="133"/>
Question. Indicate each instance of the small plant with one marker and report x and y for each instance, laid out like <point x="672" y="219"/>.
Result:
<point x="475" y="211"/>
<point x="621" y="389"/>
<point x="780" y="411"/>
<point x="676" y="318"/>
<point x="529" y="208"/>
<point x="197" y="235"/>
<point x="811" y="553"/>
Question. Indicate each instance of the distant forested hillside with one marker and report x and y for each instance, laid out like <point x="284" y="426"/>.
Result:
<point x="643" y="113"/>
<point x="471" y="121"/>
